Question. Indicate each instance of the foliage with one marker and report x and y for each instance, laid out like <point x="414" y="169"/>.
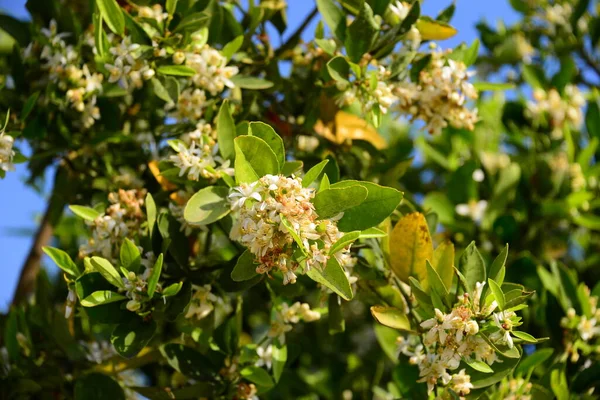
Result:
<point x="329" y="219"/>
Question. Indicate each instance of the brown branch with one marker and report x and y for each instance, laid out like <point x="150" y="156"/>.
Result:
<point x="31" y="267"/>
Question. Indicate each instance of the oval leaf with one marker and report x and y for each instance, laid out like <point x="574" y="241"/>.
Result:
<point x="330" y="202"/>
<point x="391" y="317"/>
<point x="207" y="206"/>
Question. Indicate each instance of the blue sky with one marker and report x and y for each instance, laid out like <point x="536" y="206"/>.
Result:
<point x="21" y="206"/>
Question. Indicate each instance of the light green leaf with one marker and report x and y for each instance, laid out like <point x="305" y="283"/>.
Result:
<point x="150" y="212"/>
<point x="245" y="268"/>
<point x="160" y="91"/>
<point x="339" y="69"/>
<point x="258" y="376"/>
<point x="391" y="317"/>
<point x="249" y="82"/>
<point x="372" y="233"/>
<point x="498" y="294"/>
<point x="489" y="86"/>
<point x="524" y="336"/>
<point x="226" y="132"/>
<point x="328" y="45"/>
<point x="290" y="228"/>
<point x="101" y="297"/>
<point x="193" y="22"/>
<point x="472" y="267"/>
<point x="87" y="213"/>
<point x="334" y="17"/>
<point x="330" y="202"/>
<point x="344" y="241"/>
<point x="171" y="6"/>
<point x="268" y="134"/>
<point x="207" y="206"/>
<point x="112" y="15"/>
<point x="313" y="173"/>
<point x="62" y="260"/>
<point x="172" y="289"/>
<point x="325" y="184"/>
<point x="107" y="270"/>
<point x="333" y="277"/>
<point x="130" y="256"/>
<point x="497" y="269"/>
<point x="381" y="201"/>
<point x="176" y="70"/>
<point x="434" y="281"/>
<point x="253" y="159"/>
<point x="291" y="168"/>
<point x="232" y="47"/>
<point x="479" y="366"/>
<point x="155" y="275"/>
<point x="443" y="262"/>
<point x="280" y="356"/>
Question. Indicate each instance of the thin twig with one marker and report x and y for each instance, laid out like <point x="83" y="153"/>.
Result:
<point x="291" y="42"/>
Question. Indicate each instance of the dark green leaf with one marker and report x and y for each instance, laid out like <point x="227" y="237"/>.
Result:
<point x="155" y="275"/>
<point x="96" y="386"/>
<point x="245" y="268"/>
<point x="226" y="132"/>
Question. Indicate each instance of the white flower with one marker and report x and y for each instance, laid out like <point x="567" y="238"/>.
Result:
<point x="70" y="304"/>
<point x="461" y="383"/>
<point x="242" y="193"/>
<point x="6" y="152"/>
<point x="155" y="12"/>
<point x="265" y="356"/>
<point x="212" y="72"/>
<point x="202" y="302"/>
<point x="474" y="210"/>
<point x="400" y="9"/>
<point x="587" y="328"/>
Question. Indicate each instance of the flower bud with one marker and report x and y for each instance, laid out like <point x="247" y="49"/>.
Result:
<point x="178" y="57"/>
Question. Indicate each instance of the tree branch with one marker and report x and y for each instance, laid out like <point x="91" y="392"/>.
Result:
<point x="291" y="42"/>
<point x="52" y="215"/>
<point x="590" y="61"/>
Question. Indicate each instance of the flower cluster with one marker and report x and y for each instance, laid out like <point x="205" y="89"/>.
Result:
<point x="275" y="219"/>
<point x="453" y="337"/>
<point x="135" y="285"/>
<point x="440" y="96"/>
<point x="513" y="389"/>
<point x="288" y="315"/>
<point x="202" y="303"/>
<point x="582" y="331"/>
<point x="212" y="73"/>
<point x="129" y="68"/>
<point x="197" y="155"/>
<point x="559" y="110"/>
<point x="120" y="220"/>
<point x="65" y="67"/>
<point x="6" y="152"/>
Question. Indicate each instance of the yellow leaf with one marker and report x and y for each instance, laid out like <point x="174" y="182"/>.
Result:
<point x="443" y="263"/>
<point x="391" y="317"/>
<point x="164" y="183"/>
<point x="434" y="30"/>
<point x="410" y="247"/>
<point x="346" y="126"/>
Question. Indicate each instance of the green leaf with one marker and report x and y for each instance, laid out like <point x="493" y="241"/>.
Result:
<point x="268" y="134"/>
<point x="112" y="15"/>
<point x="160" y="91"/>
<point x="489" y="86"/>
<point x="96" y="386"/>
<point x="62" y="260"/>
<point x="361" y="34"/>
<point x="498" y="269"/>
<point x="524" y="336"/>
<point x="333" y="277"/>
<point x="253" y="159"/>
<point x="232" y="47"/>
<point x="226" y="132"/>
<point x="171" y="6"/>
<point x="372" y="233"/>
<point x="381" y="201"/>
<point x="443" y="262"/>
<point x="150" y="212"/>
<point x="193" y="22"/>
<point x="313" y="173"/>
<point x="290" y="228"/>
<point x="87" y="213"/>
<point x="501" y="370"/>
<point x="176" y="70"/>
<point x="480" y="366"/>
<point x="334" y="17"/>
<point x="131" y="337"/>
<point x="134" y="29"/>
<point x="172" y="289"/>
<point x="391" y="317"/>
<point x="344" y="241"/>
<point x="130" y="256"/>
<point x="245" y="268"/>
<point x="250" y="82"/>
<point x="29" y="104"/>
<point x="280" y="355"/>
<point x="106" y="269"/>
<point x="328" y="45"/>
<point x="558" y="382"/>
<point x="155" y="275"/>
<point x="330" y="202"/>
<point x="258" y="376"/>
<point x="435" y="282"/>
<point x="498" y="294"/>
<point x="207" y="206"/>
<point x="325" y="184"/>
<point x="533" y="361"/>
<point x="472" y="267"/>
<point x="339" y="69"/>
<point x="188" y="361"/>
<point x="291" y="168"/>
<point x="19" y="30"/>
<point x="101" y="297"/>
